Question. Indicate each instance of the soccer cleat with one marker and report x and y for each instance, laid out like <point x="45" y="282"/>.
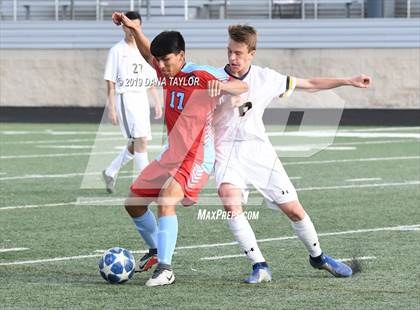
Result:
<point x="337" y="269"/>
<point x="161" y="276"/>
<point x="260" y="273"/>
<point x="147" y="261"/>
<point x="109" y="182"/>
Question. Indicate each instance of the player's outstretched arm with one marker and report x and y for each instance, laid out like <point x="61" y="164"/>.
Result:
<point x="319" y="83"/>
<point x="143" y="43"/>
<point x="232" y="87"/>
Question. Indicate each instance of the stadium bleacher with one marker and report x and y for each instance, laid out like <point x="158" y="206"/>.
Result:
<point x="204" y="9"/>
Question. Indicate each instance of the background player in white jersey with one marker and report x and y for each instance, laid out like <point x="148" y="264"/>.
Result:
<point x="245" y="156"/>
<point x="128" y="78"/>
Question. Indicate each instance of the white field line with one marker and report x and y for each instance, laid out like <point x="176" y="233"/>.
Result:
<point x="222" y="257"/>
<point x="65" y="175"/>
<point x="13" y="250"/>
<point x="243" y="255"/>
<point x="304" y="189"/>
<point x="123" y="141"/>
<point x="342" y="134"/>
<point x="350" y="160"/>
<point x="151" y="147"/>
<point x="317" y="188"/>
<point x="414" y="128"/>
<point x="363" y="179"/>
<point x="69" y="133"/>
<point x="358" y="258"/>
<point x="332" y="161"/>
<point x="117" y="133"/>
<point x="118" y="201"/>
<point x="213" y="245"/>
<point x="308" y="147"/>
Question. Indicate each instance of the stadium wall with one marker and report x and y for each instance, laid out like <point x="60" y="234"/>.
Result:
<point x="60" y="64"/>
<point x="74" y="77"/>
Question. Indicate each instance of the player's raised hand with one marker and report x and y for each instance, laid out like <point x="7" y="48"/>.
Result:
<point x="117" y="18"/>
<point x="361" y="81"/>
<point x="214" y="87"/>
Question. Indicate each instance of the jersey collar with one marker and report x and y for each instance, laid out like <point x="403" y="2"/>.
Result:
<point x="227" y="70"/>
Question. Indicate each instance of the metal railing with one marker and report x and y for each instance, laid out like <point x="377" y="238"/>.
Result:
<point x="220" y="9"/>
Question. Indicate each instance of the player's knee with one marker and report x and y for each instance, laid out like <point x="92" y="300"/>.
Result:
<point x="133" y="208"/>
<point x="293" y="210"/>
<point x="140" y="145"/>
<point x="231" y="197"/>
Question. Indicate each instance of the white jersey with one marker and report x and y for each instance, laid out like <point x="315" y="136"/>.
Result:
<point x="264" y="85"/>
<point x="127" y="68"/>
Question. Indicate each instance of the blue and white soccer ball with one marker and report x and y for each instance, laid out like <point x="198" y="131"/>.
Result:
<point x="117" y="265"/>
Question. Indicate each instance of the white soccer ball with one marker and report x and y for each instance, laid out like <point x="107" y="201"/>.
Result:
<point x="117" y="265"/>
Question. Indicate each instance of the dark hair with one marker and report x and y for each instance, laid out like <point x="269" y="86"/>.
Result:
<point x="133" y="15"/>
<point x="167" y="42"/>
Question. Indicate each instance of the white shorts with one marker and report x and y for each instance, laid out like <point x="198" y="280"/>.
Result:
<point x="254" y="163"/>
<point x="134" y="115"/>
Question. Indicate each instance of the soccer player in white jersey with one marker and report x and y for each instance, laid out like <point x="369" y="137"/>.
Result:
<point x="128" y="77"/>
<point x="245" y="156"/>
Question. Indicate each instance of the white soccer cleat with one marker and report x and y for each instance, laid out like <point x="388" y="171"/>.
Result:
<point x="161" y="277"/>
<point x="109" y="182"/>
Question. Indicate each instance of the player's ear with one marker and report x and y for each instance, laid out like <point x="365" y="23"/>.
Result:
<point x="182" y="54"/>
<point x="253" y="53"/>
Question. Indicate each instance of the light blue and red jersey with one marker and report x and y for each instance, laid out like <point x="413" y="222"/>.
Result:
<point x="189" y="154"/>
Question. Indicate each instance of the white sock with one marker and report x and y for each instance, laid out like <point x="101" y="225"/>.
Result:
<point x="124" y="157"/>
<point x="245" y="236"/>
<point x="305" y="231"/>
<point x="141" y="160"/>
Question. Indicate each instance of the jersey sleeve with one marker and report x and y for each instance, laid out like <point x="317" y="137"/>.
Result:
<point x="279" y="85"/>
<point x="111" y="67"/>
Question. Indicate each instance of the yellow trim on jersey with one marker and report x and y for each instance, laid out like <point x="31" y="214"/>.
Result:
<point x="290" y="87"/>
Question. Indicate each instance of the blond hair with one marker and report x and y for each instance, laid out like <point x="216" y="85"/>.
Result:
<point x="244" y="34"/>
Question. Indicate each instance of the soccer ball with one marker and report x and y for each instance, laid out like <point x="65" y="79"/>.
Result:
<point x="117" y="265"/>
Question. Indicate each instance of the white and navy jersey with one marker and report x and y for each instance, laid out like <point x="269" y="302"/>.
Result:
<point x="264" y="85"/>
<point x="127" y="68"/>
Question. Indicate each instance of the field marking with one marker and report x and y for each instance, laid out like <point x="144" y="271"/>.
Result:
<point x="363" y="179"/>
<point x="67" y="133"/>
<point x="72" y="146"/>
<point x="358" y="231"/>
<point x="358" y="258"/>
<point x="13" y="250"/>
<point x="122" y="140"/>
<point x="341" y="134"/>
<point x="385" y="129"/>
<point x="151" y="147"/>
<point x="287" y="163"/>
<point x="308" y="147"/>
<point x="65" y="175"/>
<point x="358" y="186"/>
<point x="222" y="257"/>
<point x="243" y="255"/>
<point x="119" y="200"/>
<point x="350" y="160"/>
